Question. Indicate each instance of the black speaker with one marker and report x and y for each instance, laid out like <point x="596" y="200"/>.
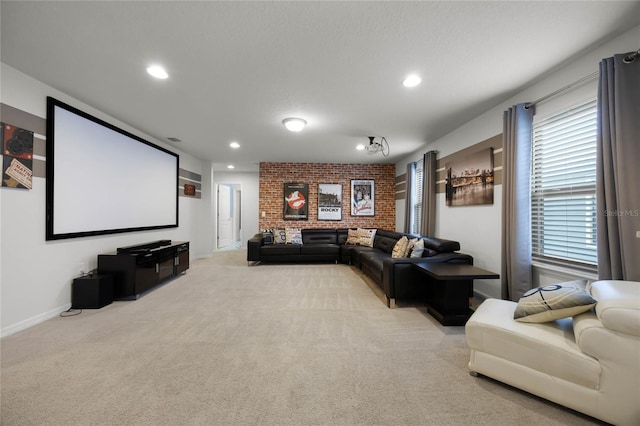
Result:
<point x="92" y="292"/>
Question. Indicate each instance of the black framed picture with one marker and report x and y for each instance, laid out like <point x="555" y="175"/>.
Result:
<point x="329" y="201"/>
<point x="296" y="201"/>
<point x="362" y="198"/>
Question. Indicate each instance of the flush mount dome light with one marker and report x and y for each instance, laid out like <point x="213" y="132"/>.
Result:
<point x="411" y="80"/>
<point x="294" y="124"/>
<point x="158" y="72"/>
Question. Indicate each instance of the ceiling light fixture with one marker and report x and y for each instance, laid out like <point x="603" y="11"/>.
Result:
<point x="380" y="146"/>
<point x="231" y="166"/>
<point x="411" y="80"/>
<point x="294" y="124"/>
<point x="234" y="145"/>
<point x="158" y="72"/>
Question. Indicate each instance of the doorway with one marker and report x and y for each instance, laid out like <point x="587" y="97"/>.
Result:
<point x="229" y="222"/>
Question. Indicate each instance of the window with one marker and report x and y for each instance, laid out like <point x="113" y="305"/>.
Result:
<point x="563" y="187"/>
<point x="416" y="198"/>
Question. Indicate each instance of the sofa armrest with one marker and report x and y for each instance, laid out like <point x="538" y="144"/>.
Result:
<point x="253" y="247"/>
<point x="618" y="306"/>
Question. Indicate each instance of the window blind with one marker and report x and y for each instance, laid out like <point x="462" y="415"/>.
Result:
<point x="563" y="187"/>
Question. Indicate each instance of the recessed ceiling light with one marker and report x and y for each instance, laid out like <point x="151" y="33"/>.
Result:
<point x="360" y="147"/>
<point x="234" y="145"/>
<point x="158" y="72"/>
<point x="411" y="80"/>
<point x="294" y="124"/>
<point x="231" y="166"/>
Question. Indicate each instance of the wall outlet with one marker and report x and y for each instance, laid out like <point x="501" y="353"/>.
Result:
<point x="264" y="214"/>
<point x="637" y="234"/>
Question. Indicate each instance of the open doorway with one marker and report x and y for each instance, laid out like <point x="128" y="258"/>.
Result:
<point x="229" y="220"/>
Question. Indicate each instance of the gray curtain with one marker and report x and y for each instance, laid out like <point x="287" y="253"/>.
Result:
<point x="618" y="168"/>
<point x="408" y="203"/>
<point x="428" y="225"/>
<point x="516" y="201"/>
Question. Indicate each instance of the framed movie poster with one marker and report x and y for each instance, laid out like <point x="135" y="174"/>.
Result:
<point x="329" y="201"/>
<point x="362" y="198"/>
<point x="296" y="196"/>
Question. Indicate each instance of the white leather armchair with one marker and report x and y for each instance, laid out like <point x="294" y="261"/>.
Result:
<point x="589" y="363"/>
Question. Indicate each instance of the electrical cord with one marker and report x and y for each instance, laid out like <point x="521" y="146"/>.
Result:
<point x="69" y="313"/>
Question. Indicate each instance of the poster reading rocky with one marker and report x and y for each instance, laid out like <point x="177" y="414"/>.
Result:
<point x="329" y="201"/>
<point x="296" y="196"/>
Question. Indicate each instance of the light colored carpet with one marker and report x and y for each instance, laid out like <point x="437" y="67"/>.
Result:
<point x="229" y="344"/>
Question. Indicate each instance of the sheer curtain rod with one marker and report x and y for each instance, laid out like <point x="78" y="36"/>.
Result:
<point x="562" y="89"/>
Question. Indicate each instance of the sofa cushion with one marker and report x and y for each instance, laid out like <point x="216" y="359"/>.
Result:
<point x="279" y="250"/>
<point x="549" y="348"/>
<point x="552" y="302"/>
<point x="323" y="249"/>
<point x="440" y="245"/>
<point x="319" y="236"/>
<point x="293" y="235"/>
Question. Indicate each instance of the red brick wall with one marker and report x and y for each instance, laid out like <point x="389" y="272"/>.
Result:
<point x="273" y="176"/>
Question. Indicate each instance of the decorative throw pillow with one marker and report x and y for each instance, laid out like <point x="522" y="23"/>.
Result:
<point x="352" y="237"/>
<point x="293" y="235"/>
<point x="412" y="242"/>
<point x="418" y="248"/>
<point x="366" y="237"/>
<point x="279" y="236"/>
<point x="400" y="248"/>
<point x="267" y="237"/>
<point x="552" y="302"/>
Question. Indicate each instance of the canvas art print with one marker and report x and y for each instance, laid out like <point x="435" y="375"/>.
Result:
<point x="470" y="180"/>
<point x="296" y="205"/>
<point x="329" y="201"/>
<point x="17" y="156"/>
<point x="362" y="198"/>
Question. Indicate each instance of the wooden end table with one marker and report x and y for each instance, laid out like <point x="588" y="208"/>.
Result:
<point x="450" y="286"/>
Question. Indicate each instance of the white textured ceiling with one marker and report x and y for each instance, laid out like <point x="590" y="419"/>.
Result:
<point x="238" y="68"/>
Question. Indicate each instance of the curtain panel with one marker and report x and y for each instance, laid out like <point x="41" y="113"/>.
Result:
<point x="408" y="198"/>
<point x="428" y="225"/>
<point x="617" y="171"/>
<point x="516" y="201"/>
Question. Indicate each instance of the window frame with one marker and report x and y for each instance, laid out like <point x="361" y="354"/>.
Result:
<point x="579" y="121"/>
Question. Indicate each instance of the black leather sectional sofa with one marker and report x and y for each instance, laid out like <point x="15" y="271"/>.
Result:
<point x="395" y="276"/>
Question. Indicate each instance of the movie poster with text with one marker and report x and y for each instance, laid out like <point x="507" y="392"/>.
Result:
<point x="296" y="204"/>
<point x="329" y="201"/>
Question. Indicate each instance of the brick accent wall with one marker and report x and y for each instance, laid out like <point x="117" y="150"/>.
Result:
<point x="273" y="176"/>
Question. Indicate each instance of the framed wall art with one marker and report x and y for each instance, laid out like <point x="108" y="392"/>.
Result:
<point x="329" y="201"/>
<point x="296" y="206"/>
<point x="469" y="180"/>
<point x="362" y="198"/>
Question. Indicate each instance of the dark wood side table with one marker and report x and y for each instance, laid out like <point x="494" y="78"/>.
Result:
<point x="450" y="286"/>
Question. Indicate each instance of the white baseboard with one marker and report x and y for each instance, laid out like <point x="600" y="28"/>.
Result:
<point x="30" y="322"/>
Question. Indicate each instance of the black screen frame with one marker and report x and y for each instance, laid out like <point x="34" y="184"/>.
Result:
<point x="52" y="104"/>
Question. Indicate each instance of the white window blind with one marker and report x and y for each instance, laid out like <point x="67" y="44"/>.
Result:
<point x="563" y="187"/>
<point x="416" y="198"/>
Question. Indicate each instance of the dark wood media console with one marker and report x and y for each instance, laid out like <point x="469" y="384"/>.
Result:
<point x="136" y="269"/>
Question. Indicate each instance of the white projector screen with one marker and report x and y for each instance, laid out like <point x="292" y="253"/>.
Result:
<point x="104" y="180"/>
